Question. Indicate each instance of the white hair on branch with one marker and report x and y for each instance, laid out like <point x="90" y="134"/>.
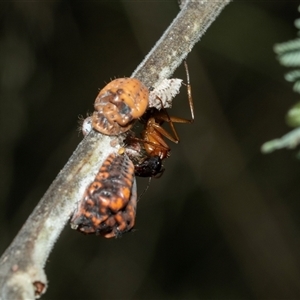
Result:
<point x="164" y="92"/>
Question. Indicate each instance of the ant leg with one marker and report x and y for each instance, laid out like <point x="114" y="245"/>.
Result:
<point x="165" y="133"/>
<point x="189" y="89"/>
<point x="164" y="116"/>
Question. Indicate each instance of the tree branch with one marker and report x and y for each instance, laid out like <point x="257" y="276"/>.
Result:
<point x="21" y="274"/>
<point x="178" y="40"/>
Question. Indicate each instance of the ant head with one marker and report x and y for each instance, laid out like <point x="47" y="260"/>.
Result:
<point x="149" y="167"/>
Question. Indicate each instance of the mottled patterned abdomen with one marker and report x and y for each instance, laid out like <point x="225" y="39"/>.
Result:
<point x="119" y="104"/>
<point x="108" y="206"/>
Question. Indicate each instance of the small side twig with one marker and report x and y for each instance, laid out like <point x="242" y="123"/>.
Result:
<point x="21" y="266"/>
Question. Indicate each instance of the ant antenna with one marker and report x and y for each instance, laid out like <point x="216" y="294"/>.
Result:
<point x="145" y="190"/>
<point x="189" y="89"/>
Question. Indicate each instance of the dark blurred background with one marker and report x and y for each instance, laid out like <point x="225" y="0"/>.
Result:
<point x="223" y="220"/>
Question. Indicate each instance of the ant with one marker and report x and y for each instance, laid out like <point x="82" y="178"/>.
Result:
<point x="152" y="137"/>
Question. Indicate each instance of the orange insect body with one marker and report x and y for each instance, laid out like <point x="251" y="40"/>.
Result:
<point x="118" y="105"/>
<point x="108" y="206"/>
